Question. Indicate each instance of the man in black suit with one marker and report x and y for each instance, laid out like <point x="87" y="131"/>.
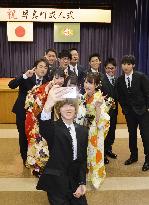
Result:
<point x="51" y="56"/>
<point x="79" y="70"/>
<point x="64" y="58"/>
<point x="95" y="62"/>
<point x="109" y="90"/>
<point x="133" y="96"/>
<point x="26" y="82"/>
<point x="64" y="177"/>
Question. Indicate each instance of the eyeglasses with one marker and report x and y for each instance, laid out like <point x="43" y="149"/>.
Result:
<point x="110" y="68"/>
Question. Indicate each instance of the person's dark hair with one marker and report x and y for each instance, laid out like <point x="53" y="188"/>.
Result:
<point x="72" y="80"/>
<point x="41" y="60"/>
<point x="73" y="49"/>
<point x="94" y="55"/>
<point x="52" y="50"/>
<point x="110" y="61"/>
<point x="58" y="72"/>
<point x="93" y="78"/>
<point x="129" y="59"/>
<point x="65" y="53"/>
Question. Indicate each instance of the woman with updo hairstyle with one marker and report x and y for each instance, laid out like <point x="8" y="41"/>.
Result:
<point x="97" y="120"/>
<point x="38" y="152"/>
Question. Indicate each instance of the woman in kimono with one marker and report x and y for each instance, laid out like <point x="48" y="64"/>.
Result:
<point x="97" y="120"/>
<point x="38" y="153"/>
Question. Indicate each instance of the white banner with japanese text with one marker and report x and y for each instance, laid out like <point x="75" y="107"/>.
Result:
<point x="55" y="15"/>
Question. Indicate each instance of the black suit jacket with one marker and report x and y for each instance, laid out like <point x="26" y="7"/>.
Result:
<point x="138" y="98"/>
<point x="49" y="75"/>
<point x="60" y="170"/>
<point x="108" y="89"/>
<point x="81" y="76"/>
<point x="24" y="86"/>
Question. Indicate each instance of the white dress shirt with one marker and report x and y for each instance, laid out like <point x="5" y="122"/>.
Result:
<point x="72" y="131"/>
<point x="74" y="69"/>
<point x="37" y="78"/>
<point x="110" y="78"/>
<point x="94" y="71"/>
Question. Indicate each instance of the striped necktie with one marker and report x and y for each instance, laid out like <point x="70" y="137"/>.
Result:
<point x="128" y="81"/>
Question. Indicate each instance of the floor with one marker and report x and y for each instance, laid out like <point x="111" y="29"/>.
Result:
<point x="123" y="184"/>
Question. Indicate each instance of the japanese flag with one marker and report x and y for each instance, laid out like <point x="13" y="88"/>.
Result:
<point x="20" y="31"/>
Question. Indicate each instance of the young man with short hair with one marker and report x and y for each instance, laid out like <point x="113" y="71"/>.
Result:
<point x="64" y="177"/>
<point x="133" y="96"/>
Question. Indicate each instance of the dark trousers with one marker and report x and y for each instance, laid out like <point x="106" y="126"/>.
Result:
<point x="133" y="120"/>
<point x="61" y="200"/>
<point x="20" y="122"/>
<point x="65" y="197"/>
<point x="109" y="140"/>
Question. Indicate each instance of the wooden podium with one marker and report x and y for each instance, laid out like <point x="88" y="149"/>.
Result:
<point x="8" y="97"/>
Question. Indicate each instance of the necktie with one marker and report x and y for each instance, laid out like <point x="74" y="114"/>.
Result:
<point x="38" y="81"/>
<point x="113" y="81"/>
<point x="128" y="85"/>
<point x="128" y="80"/>
<point x="74" y="70"/>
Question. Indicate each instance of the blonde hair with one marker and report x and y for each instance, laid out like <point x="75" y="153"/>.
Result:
<point x="69" y="101"/>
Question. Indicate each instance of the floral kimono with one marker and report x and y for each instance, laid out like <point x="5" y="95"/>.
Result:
<point x="38" y="152"/>
<point x="97" y="133"/>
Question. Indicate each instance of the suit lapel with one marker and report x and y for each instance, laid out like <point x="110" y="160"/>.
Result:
<point x="33" y="79"/>
<point x="111" y="87"/>
<point x="134" y="80"/>
<point x="65" y="130"/>
<point x="78" y="139"/>
<point x="123" y="82"/>
<point x="67" y="134"/>
<point x="44" y="80"/>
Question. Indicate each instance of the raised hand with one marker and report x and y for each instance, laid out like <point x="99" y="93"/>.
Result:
<point x="30" y="73"/>
<point x="55" y="94"/>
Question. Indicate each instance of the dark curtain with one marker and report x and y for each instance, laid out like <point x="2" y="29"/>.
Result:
<point x="123" y="36"/>
<point x="142" y="36"/>
<point x="109" y="40"/>
<point x="17" y="57"/>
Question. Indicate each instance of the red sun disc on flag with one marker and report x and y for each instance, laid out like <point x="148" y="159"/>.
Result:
<point x="20" y="31"/>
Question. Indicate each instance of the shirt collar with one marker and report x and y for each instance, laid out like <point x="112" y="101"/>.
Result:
<point x="71" y="66"/>
<point x="69" y="125"/>
<point x="130" y="75"/>
<point x="109" y="77"/>
<point x="94" y="71"/>
<point x="37" y="77"/>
